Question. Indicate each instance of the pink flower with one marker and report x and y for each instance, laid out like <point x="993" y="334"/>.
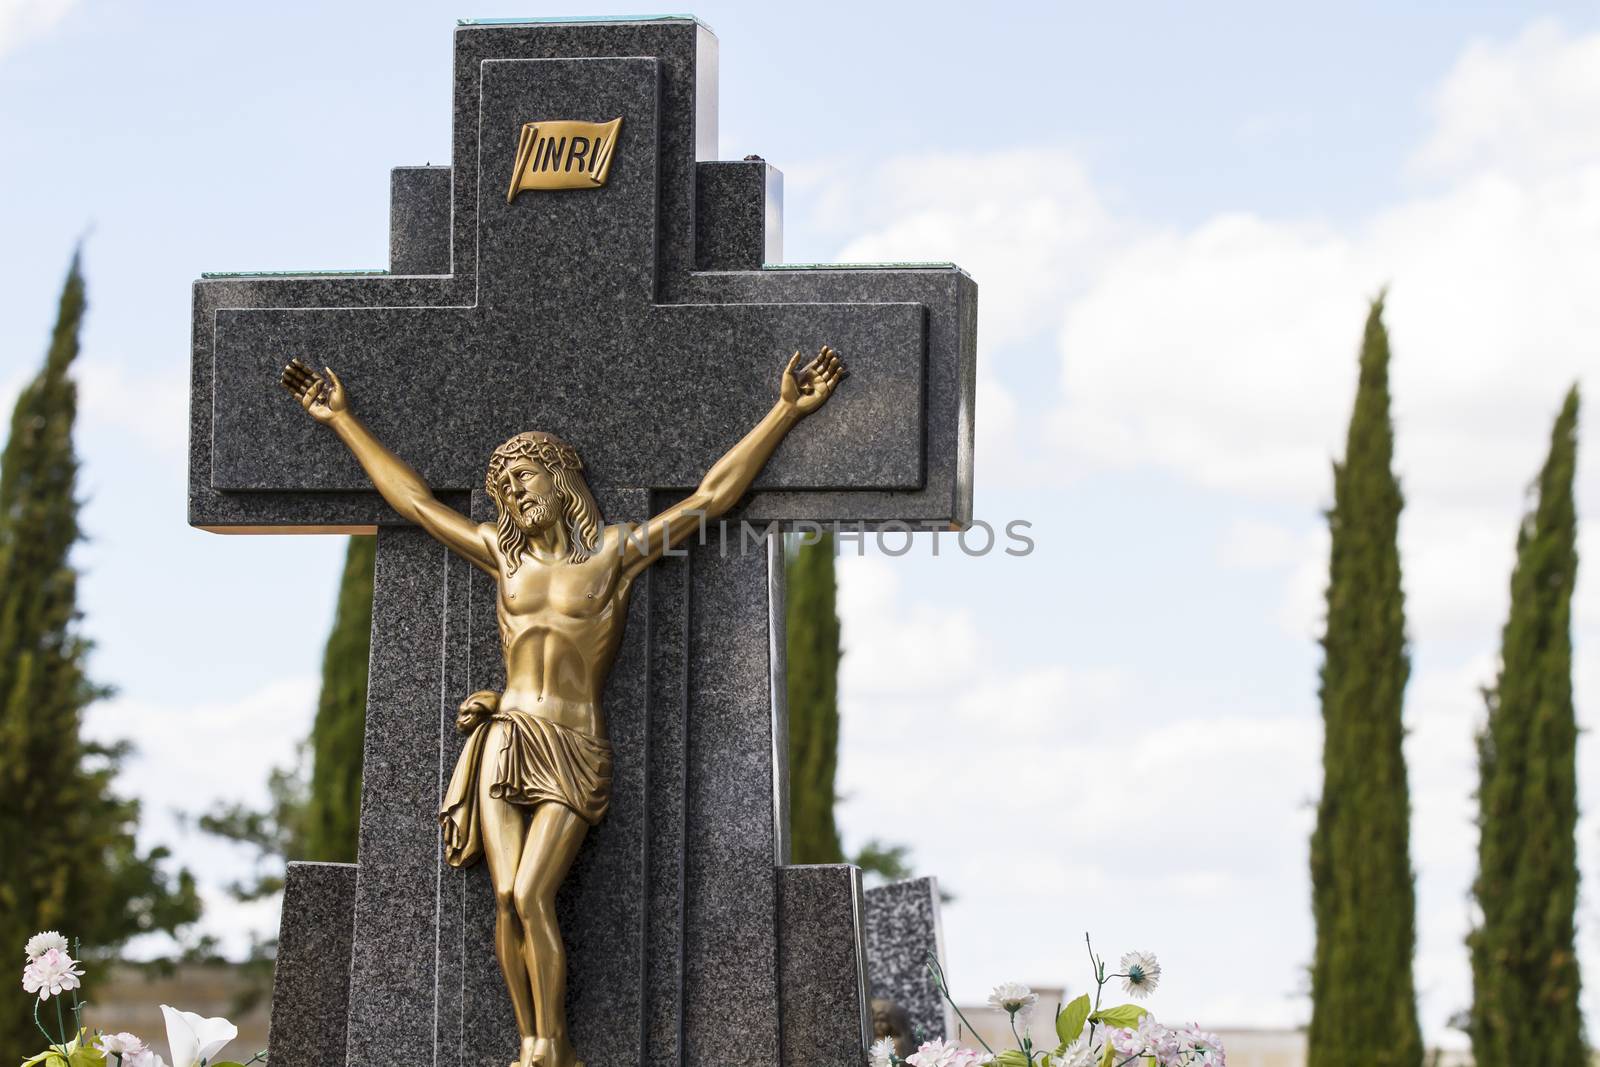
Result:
<point x="51" y="974"/>
<point x="1151" y="1040"/>
<point x="123" y="1044"/>
<point x="1203" y="1048"/>
<point x="942" y="1053"/>
<point x="43" y="942"/>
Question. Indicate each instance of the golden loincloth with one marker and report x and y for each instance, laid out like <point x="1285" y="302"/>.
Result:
<point x="539" y="761"/>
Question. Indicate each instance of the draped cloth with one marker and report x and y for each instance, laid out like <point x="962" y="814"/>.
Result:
<point x="538" y="761"/>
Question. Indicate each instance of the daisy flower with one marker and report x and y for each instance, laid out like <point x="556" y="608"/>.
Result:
<point x="1140" y="973"/>
<point x="1013" y="998"/>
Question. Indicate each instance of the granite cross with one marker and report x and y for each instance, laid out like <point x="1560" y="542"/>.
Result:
<point x="644" y="321"/>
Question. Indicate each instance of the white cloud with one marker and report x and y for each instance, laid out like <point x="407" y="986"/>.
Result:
<point x="1527" y="105"/>
<point x="1024" y="222"/>
<point x="194" y="755"/>
<point x="154" y="408"/>
<point x="915" y="647"/>
<point x="1050" y="806"/>
<point x="22" y="21"/>
<point x="1251" y="544"/>
<point x="1224" y="356"/>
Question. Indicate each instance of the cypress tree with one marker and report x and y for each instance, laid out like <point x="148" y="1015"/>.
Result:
<point x="1524" y="964"/>
<point x="334" y="807"/>
<point x="67" y="845"/>
<point x="316" y="816"/>
<point x="813" y="690"/>
<point x="1363" y="897"/>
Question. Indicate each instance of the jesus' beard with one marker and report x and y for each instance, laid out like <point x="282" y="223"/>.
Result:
<point x="540" y="511"/>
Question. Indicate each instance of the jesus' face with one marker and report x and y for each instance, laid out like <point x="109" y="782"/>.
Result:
<point x="530" y="496"/>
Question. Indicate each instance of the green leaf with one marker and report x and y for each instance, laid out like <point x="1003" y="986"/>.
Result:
<point x="1126" y="1016"/>
<point x="1070" y="1020"/>
<point x="48" y="1058"/>
<point x="1110" y="1056"/>
<point x="87" y="1056"/>
<point x="1011" y="1057"/>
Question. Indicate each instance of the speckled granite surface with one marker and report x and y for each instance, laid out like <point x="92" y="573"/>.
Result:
<point x="902" y="931"/>
<point x="310" y="984"/>
<point x="822" y="963"/>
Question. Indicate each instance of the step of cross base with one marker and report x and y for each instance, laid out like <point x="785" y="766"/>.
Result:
<point x="311" y="982"/>
<point x="821" y="959"/>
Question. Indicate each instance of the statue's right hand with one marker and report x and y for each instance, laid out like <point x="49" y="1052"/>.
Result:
<point x="322" y="398"/>
<point x="476" y="710"/>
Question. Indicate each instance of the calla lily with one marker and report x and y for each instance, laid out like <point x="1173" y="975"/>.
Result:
<point x="193" y="1040"/>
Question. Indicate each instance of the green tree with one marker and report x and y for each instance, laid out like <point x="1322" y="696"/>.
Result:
<point x="315" y="814"/>
<point x="67" y="843"/>
<point x="812" y="628"/>
<point x="1524" y="965"/>
<point x="813" y="684"/>
<point x="1363" y="996"/>
<point x="334" y="808"/>
<point x="312" y="813"/>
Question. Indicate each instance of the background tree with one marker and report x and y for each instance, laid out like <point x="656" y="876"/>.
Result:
<point x="66" y="839"/>
<point x="314" y="807"/>
<point x="1524" y="965"/>
<point x="1363" y="997"/>
<point x="812" y="626"/>
<point x="334" y="809"/>
<point x="813" y="685"/>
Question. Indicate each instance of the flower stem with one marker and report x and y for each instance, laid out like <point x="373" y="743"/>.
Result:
<point x="48" y="1039"/>
<point x="62" y="1023"/>
<point x="1024" y="1047"/>
<point x="944" y="991"/>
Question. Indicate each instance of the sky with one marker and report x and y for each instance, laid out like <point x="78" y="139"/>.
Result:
<point x="1176" y="215"/>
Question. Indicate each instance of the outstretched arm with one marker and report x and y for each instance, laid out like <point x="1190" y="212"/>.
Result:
<point x="800" y="393"/>
<point x="394" y="479"/>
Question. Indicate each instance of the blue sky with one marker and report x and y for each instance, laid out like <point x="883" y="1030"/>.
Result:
<point x="1175" y="214"/>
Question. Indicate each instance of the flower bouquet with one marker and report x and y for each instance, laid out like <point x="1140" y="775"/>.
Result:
<point x="52" y="973"/>
<point x="1089" y="1035"/>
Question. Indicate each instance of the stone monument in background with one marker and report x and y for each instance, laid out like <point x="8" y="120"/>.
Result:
<point x="640" y="318"/>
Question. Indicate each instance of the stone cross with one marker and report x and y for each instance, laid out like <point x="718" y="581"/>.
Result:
<point x="645" y="321"/>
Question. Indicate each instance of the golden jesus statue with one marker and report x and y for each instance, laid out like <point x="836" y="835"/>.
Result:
<point x="536" y="771"/>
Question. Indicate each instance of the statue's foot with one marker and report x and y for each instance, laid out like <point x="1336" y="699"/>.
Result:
<point x="560" y="1053"/>
<point x="531" y="1054"/>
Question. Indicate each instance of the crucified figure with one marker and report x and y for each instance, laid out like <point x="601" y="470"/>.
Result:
<point x="536" y="770"/>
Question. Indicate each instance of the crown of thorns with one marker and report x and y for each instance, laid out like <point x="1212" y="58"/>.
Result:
<point x="548" y="449"/>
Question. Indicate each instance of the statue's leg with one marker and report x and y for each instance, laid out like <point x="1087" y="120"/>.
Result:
<point x="554" y="834"/>
<point x="504" y="830"/>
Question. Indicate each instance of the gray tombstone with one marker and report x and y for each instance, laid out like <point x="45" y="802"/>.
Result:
<point x="902" y="930"/>
<point x="644" y="322"/>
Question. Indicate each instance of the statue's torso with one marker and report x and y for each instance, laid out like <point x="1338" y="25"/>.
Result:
<point x="560" y="626"/>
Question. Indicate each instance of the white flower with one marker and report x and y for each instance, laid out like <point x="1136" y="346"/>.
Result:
<point x="193" y="1040"/>
<point x="43" y="942"/>
<point x="147" y="1058"/>
<point x="1140" y="973"/>
<point x="942" y="1053"/>
<point x="51" y="974"/>
<point x="1013" y="998"/>
<point x="123" y="1044"/>
<point x="1081" y="1053"/>
<point x="882" y="1053"/>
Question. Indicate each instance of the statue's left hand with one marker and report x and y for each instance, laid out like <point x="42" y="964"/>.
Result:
<point x="806" y="391"/>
